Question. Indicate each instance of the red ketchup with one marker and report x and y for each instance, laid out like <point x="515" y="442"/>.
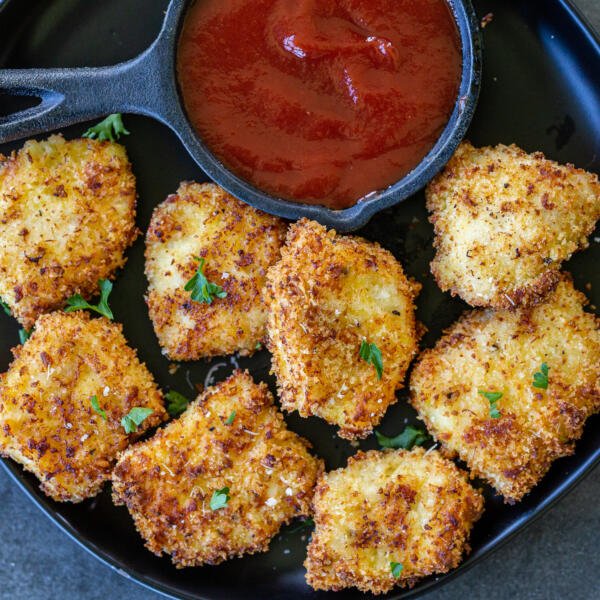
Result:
<point x="319" y="101"/>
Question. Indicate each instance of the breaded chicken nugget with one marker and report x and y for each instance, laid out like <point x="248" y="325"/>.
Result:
<point x="509" y="391"/>
<point x="237" y="244"/>
<point x="219" y="481"/>
<point x="390" y="518"/>
<point x="334" y="303"/>
<point x="67" y="215"/>
<point x="504" y="222"/>
<point x="64" y="398"/>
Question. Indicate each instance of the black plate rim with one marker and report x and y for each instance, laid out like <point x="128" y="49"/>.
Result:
<point x="17" y="475"/>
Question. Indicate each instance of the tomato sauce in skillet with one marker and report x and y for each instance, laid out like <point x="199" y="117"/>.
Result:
<point x="319" y="101"/>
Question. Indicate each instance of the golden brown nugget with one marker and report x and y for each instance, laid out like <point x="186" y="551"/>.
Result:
<point x="390" y="518"/>
<point x="505" y="221"/>
<point x="219" y="481"/>
<point x="67" y="215"/>
<point x="48" y="422"/>
<point x="327" y="296"/>
<point x="237" y="242"/>
<point x="475" y="390"/>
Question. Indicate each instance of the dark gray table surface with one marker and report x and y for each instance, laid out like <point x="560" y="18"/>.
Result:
<point x="555" y="558"/>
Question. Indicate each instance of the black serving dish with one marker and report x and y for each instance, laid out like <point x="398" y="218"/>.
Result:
<point x="147" y="85"/>
<point x="540" y="90"/>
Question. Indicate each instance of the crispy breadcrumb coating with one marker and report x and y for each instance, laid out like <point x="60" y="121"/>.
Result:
<point x="501" y="351"/>
<point x="231" y="437"/>
<point x="412" y="508"/>
<point x="47" y="421"/>
<point x="238" y="244"/>
<point x="505" y="221"/>
<point x="67" y="215"/>
<point x="327" y="295"/>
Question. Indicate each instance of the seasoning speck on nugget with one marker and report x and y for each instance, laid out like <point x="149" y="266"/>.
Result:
<point x="67" y="215"/>
<point x="341" y="327"/>
<point x="509" y="391"/>
<point x="64" y="398"/>
<point x="219" y="481"/>
<point x="505" y="221"/>
<point x="390" y="518"/>
<point x="225" y="246"/>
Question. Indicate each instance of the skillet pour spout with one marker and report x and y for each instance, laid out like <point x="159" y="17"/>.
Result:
<point x="147" y="85"/>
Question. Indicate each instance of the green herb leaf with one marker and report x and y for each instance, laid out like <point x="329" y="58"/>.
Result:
<point x="307" y="523"/>
<point x="540" y="379"/>
<point x="396" y="568"/>
<point x="96" y="407"/>
<point x="177" y="403"/>
<point x="219" y="499"/>
<point x="201" y="289"/>
<point x="136" y="417"/>
<point x="410" y="437"/>
<point x="372" y="354"/>
<point x="494" y="412"/>
<point x="24" y="335"/>
<point x="76" y="302"/>
<point x="493" y="398"/>
<point x="111" y="128"/>
<point x="230" y="418"/>
<point x="5" y="307"/>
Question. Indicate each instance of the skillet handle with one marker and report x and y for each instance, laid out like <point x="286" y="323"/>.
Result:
<point x="70" y="96"/>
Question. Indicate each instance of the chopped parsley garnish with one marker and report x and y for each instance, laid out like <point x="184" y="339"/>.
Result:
<point x="201" y="289"/>
<point x="177" y="403"/>
<point x="372" y="354"/>
<point x="307" y="523"/>
<point x="24" y="335"/>
<point x="492" y="398"/>
<point x="96" y="407"/>
<point x="540" y="379"/>
<point x="76" y="302"/>
<point x="230" y="418"/>
<point x="111" y="128"/>
<point x="137" y="415"/>
<point x="219" y="499"/>
<point x="411" y="436"/>
<point x="5" y="307"/>
<point x="396" y="568"/>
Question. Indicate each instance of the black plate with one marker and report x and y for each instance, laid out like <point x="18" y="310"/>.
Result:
<point x="540" y="90"/>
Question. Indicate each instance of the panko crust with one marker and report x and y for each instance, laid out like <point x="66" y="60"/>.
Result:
<point x="167" y="481"/>
<point x="238" y="243"/>
<point x="500" y="351"/>
<point x="325" y="296"/>
<point x="414" y="508"/>
<point x="67" y="215"/>
<point x="47" y="422"/>
<point x="505" y="221"/>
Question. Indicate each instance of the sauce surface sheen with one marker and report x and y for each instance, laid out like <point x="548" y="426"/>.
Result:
<point x="319" y="101"/>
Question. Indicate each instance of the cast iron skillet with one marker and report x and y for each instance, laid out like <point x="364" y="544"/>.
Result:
<point x="147" y="85"/>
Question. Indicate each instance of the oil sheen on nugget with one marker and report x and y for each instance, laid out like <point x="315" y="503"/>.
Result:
<point x="219" y="481"/>
<point x="49" y="420"/>
<point x="236" y="244"/>
<point x="67" y="215"/>
<point x="509" y="391"/>
<point x="388" y="519"/>
<point x="505" y="221"/>
<point x="334" y="303"/>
